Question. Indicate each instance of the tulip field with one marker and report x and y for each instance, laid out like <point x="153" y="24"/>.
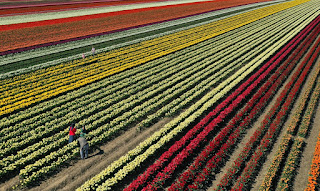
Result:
<point x="174" y="95"/>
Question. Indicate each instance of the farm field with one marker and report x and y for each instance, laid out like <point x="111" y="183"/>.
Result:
<point x="174" y="95"/>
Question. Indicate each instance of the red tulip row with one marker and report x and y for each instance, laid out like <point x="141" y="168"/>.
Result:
<point x="280" y="110"/>
<point x="86" y="17"/>
<point x="253" y="109"/>
<point x="58" y="6"/>
<point x="194" y="143"/>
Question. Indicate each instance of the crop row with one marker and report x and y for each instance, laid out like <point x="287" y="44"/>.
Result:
<point x="28" y="61"/>
<point x="264" y="136"/>
<point x="123" y="105"/>
<point x="63" y="139"/>
<point x="93" y="72"/>
<point x="139" y="159"/>
<point x="291" y="165"/>
<point x="314" y="175"/>
<point x="22" y="130"/>
<point x="49" y="18"/>
<point x="16" y="118"/>
<point x="128" y="116"/>
<point x="34" y="124"/>
<point x="166" y="173"/>
<point x="71" y="31"/>
<point x="100" y="95"/>
<point x="275" y="169"/>
<point x="242" y="120"/>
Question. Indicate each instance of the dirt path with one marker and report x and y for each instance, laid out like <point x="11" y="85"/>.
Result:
<point x="80" y="171"/>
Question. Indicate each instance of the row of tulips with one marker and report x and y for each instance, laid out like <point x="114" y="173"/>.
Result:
<point x="91" y="184"/>
<point x="147" y="106"/>
<point x="293" y="160"/>
<point x="306" y="120"/>
<point x="212" y="164"/>
<point x="314" y="175"/>
<point x="213" y="145"/>
<point x="291" y="165"/>
<point x="61" y="134"/>
<point x="275" y="169"/>
<point x="298" y="115"/>
<point x="54" y="6"/>
<point x="96" y="71"/>
<point x="269" y="129"/>
<point x="235" y="100"/>
<point x="53" y="18"/>
<point x="44" y="56"/>
<point x="102" y="94"/>
<point x="66" y="111"/>
<point x="115" y="124"/>
<point x="97" y="26"/>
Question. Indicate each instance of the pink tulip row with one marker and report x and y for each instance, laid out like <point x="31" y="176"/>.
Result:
<point x="219" y="157"/>
<point x="280" y="110"/>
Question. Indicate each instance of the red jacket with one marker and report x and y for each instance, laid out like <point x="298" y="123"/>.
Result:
<point x="72" y="131"/>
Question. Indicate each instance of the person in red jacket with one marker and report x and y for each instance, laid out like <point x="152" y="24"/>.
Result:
<point x="72" y="132"/>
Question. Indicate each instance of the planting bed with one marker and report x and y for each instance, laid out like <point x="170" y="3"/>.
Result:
<point x="220" y="95"/>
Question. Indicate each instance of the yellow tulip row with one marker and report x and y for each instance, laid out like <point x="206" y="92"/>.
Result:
<point x="118" y="60"/>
